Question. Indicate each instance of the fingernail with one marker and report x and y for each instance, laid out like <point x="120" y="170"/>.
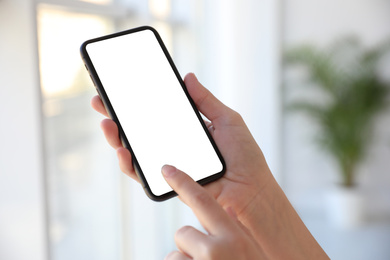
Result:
<point x="168" y="171"/>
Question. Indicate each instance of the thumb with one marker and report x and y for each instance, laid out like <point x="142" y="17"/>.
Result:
<point x="204" y="100"/>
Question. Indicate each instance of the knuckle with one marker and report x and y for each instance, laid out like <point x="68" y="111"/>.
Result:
<point x="183" y="231"/>
<point x="225" y="248"/>
<point x="236" y="117"/>
<point x="212" y="250"/>
<point x="173" y="255"/>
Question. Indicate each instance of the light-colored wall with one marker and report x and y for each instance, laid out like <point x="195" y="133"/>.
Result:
<point x="21" y="186"/>
<point x="307" y="172"/>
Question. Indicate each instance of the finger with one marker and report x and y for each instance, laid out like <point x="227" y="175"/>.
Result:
<point x="176" y="255"/>
<point x="206" y="102"/>
<point x="125" y="163"/>
<point x="97" y="104"/>
<point x="209" y="213"/>
<point x="110" y="130"/>
<point x="230" y="211"/>
<point x="190" y="240"/>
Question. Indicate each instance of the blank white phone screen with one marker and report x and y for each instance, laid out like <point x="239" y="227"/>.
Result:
<point x="152" y="108"/>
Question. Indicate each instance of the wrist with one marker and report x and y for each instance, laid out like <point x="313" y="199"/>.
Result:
<point x="275" y="224"/>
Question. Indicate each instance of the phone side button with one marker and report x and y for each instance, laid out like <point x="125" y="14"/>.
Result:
<point x="92" y="79"/>
<point x="94" y="83"/>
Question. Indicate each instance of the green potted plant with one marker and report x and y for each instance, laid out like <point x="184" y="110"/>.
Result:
<point x="354" y="93"/>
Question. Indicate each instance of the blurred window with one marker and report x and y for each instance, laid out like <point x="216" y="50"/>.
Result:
<point x="81" y="194"/>
<point x="98" y="1"/>
<point x="94" y="211"/>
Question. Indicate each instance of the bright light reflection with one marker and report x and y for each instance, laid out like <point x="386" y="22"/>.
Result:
<point x="101" y="2"/>
<point x="60" y="36"/>
<point x="160" y="8"/>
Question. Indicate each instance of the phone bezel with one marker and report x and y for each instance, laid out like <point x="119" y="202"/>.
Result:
<point x="100" y="89"/>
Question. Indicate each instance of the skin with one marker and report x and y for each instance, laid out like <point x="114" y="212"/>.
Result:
<point x="225" y="238"/>
<point x="254" y="219"/>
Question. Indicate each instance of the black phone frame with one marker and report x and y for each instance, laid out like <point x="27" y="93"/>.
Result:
<point x="103" y="95"/>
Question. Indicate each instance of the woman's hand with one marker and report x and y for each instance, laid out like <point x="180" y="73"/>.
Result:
<point x="226" y="238"/>
<point x="247" y="172"/>
<point x="247" y="188"/>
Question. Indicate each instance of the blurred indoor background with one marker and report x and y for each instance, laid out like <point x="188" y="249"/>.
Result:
<point x="62" y="195"/>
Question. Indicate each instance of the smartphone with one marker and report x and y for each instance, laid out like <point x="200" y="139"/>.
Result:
<point x="158" y="122"/>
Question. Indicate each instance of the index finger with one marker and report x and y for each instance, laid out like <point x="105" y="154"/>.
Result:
<point x="209" y="213"/>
